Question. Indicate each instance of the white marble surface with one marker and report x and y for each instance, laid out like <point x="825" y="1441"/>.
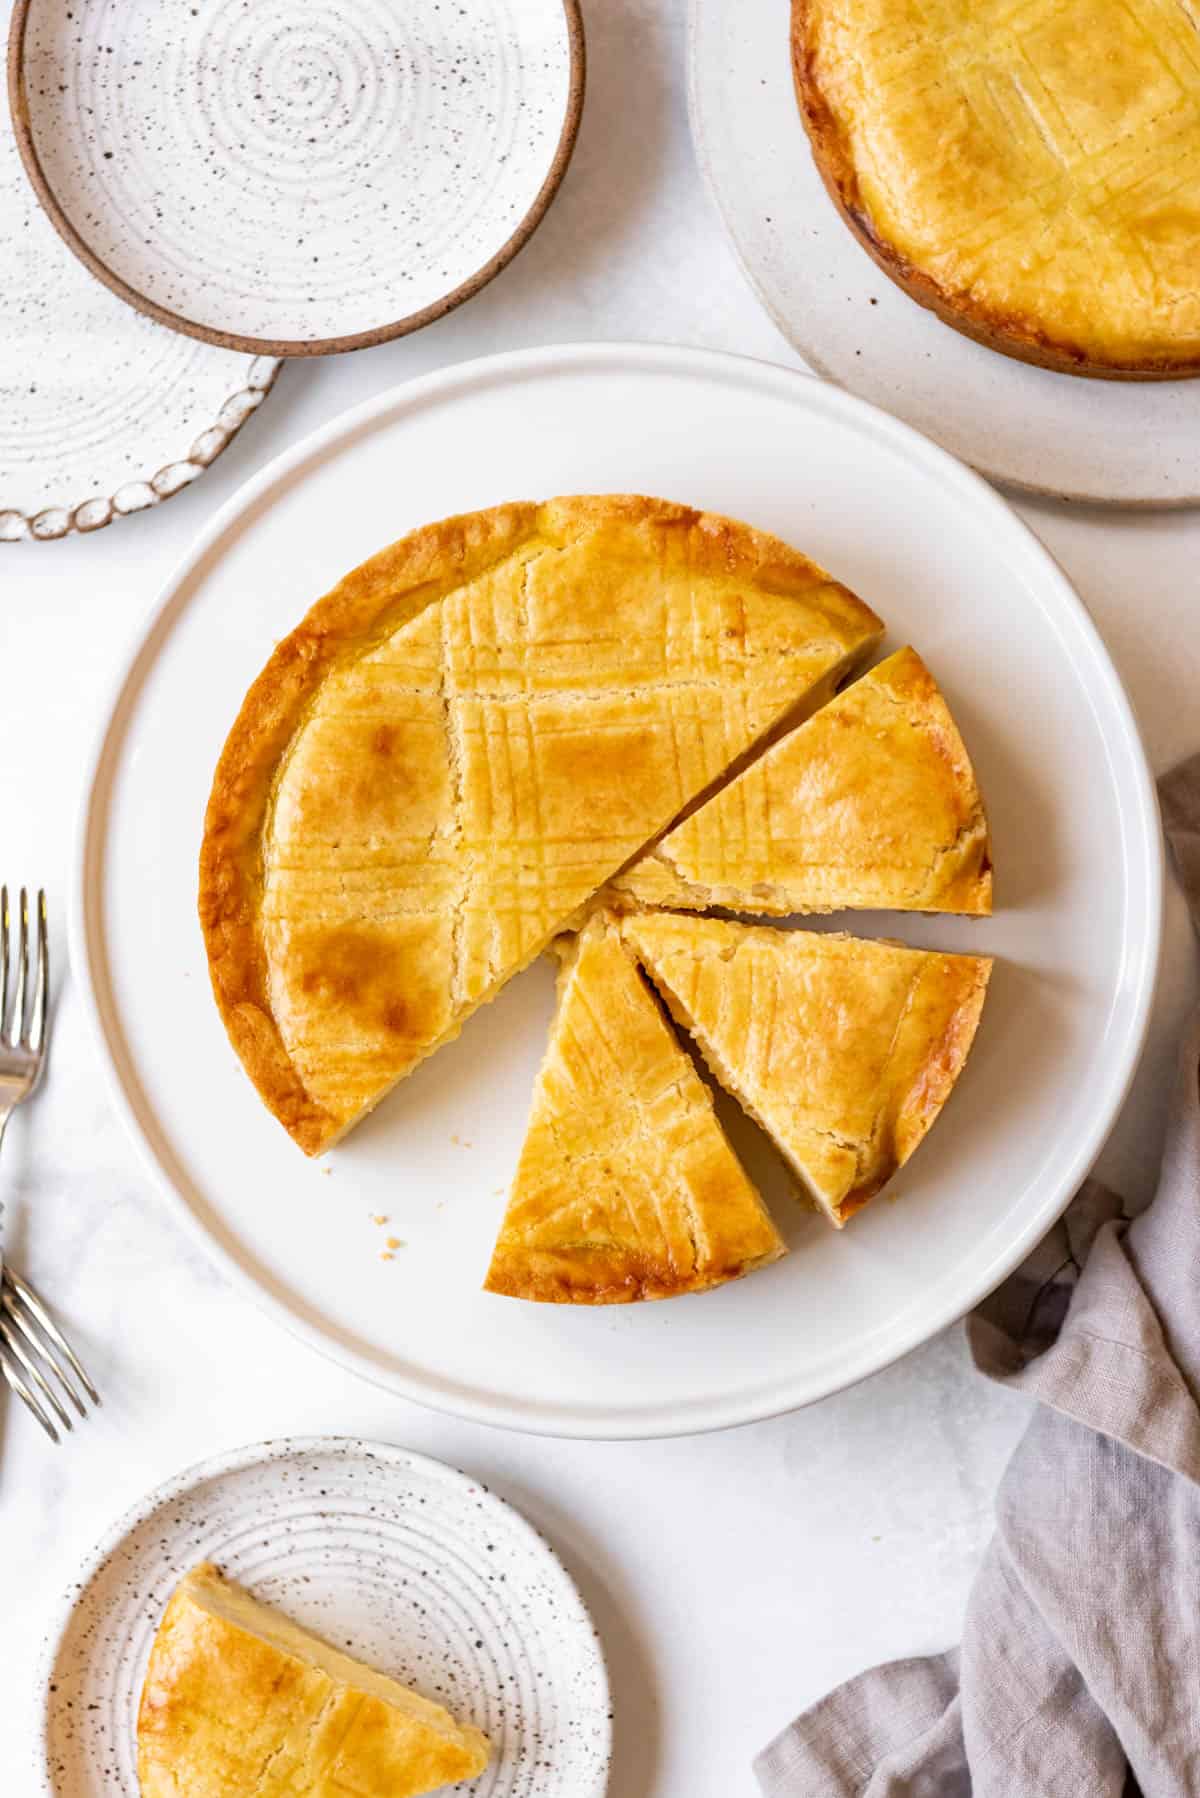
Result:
<point x="733" y="1577"/>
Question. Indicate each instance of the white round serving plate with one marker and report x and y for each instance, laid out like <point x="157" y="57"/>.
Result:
<point x="405" y="1563"/>
<point x="102" y="413"/>
<point x="1077" y="848"/>
<point x="296" y="176"/>
<point x="1132" y="443"/>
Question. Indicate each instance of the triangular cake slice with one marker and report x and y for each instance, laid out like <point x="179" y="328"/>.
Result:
<point x="845" y="1051"/>
<point x="627" y="1187"/>
<point x="871" y="804"/>
<point x="238" y="1699"/>
<point x="460" y="745"/>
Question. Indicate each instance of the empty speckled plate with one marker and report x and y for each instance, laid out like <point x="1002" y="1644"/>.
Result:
<point x="296" y="176"/>
<point x="102" y="413"/>
<point x="405" y="1563"/>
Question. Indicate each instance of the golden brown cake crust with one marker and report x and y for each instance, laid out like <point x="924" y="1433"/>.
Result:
<point x="1070" y="344"/>
<point x="845" y="1050"/>
<point x="626" y="1188"/>
<point x="870" y="805"/>
<point x="351" y="629"/>
<point x="226" y="1712"/>
<point x="395" y="584"/>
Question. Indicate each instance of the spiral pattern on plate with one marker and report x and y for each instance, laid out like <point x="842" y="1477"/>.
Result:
<point x="403" y="1562"/>
<point x="297" y="170"/>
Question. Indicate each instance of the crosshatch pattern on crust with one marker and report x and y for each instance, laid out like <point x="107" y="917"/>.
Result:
<point x="460" y="745"/>
<point x="1027" y="169"/>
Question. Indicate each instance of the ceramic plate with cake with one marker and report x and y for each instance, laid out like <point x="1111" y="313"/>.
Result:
<point x="321" y="1615"/>
<point x="654" y="724"/>
<point x="1031" y="173"/>
<point x="982" y="217"/>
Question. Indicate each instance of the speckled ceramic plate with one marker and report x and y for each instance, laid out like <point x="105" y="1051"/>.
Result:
<point x="102" y="413"/>
<point x="296" y="176"/>
<point x="408" y="1564"/>
<point x="1120" y="442"/>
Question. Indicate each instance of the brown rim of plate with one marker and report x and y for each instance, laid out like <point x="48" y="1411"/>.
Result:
<point x="1014" y="337"/>
<point x="276" y="346"/>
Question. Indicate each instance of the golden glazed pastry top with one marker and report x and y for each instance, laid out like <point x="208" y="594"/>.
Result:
<point x="459" y="745"/>
<point x="1030" y="169"/>
<point x="872" y="804"/>
<point x="845" y="1051"/>
<point x="239" y="1702"/>
<point x="627" y="1187"/>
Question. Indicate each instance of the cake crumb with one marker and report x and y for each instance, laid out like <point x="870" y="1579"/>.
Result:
<point x="394" y="1242"/>
<point x="461" y="1142"/>
<point x="378" y="1217"/>
<point x="387" y="1256"/>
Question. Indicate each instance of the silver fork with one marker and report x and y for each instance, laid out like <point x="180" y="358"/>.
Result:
<point x="35" y="1357"/>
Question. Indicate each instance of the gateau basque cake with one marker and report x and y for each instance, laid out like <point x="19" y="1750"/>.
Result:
<point x="457" y="748"/>
<point x="844" y="1050"/>
<point x="239" y="1702"/>
<point x="1028" y="169"/>
<point x="872" y="803"/>
<point x="541" y="724"/>
<point x="627" y="1187"/>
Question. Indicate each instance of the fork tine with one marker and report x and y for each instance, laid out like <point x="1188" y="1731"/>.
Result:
<point x="49" y="1329"/>
<point x="18" y="1349"/>
<point x="16" y="1329"/>
<point x="3" y="963"/>
<point x="12" y="1029"/>
<point x="12" y="1374"/>
<point x="33" y="1025"/>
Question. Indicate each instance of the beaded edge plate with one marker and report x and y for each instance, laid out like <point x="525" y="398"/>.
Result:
<point x="102" y="412"/>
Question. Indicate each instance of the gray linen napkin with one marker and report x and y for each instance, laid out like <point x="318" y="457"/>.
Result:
<point x="1079" y="1671"/>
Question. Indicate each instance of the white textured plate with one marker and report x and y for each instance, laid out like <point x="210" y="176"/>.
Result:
<point x="405" y="1563"/>
<point x="296" y="176"/>
<point x="102" y="413"/>
<point x="1126" y="442"/>
<point x="1078" y="885"/>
